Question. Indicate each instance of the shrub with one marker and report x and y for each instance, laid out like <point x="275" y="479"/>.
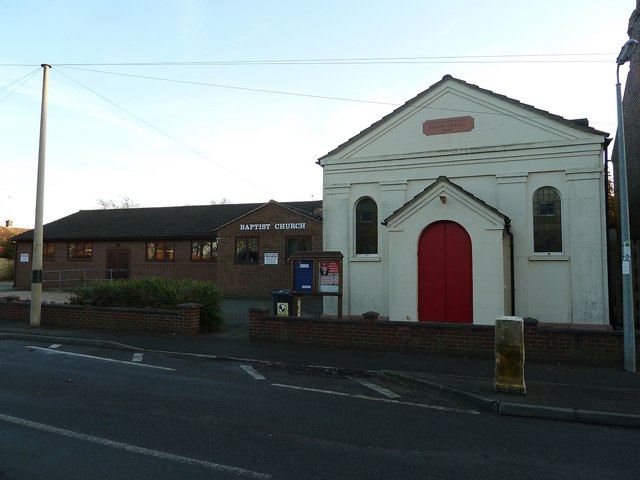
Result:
<point x="156" y="293"/>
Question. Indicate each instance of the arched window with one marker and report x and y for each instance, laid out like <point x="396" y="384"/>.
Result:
<point x="547" y="221"/>
<point x="366" y="227"/>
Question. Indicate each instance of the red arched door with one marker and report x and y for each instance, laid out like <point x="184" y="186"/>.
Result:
<point x="445" y="285"/>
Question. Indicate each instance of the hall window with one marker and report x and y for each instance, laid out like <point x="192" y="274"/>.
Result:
<point x="547" y="221"/>
<point x="160" y="251"/>
<point x="204" y="250"/>
<point x="366" y="227"/>
<point x="298" y="244"/>
<point x="247" y="250"/>
<point x="80" y="251"/>
<point x="49" y="251"/>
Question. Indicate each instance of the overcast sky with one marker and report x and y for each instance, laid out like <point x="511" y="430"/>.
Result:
<point x="185" y="102"/>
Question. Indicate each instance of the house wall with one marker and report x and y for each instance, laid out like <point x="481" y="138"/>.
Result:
<point x="507" y="156"/>
<point x="232" y="279"/>
<point x="260" y="279"/>
<point x="485" y="229"/>
<point x="631" y="110"/>
<point x="61" y="272"/>
<point x="568" y="288"/>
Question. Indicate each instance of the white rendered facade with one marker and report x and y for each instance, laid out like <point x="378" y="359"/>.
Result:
<point x="479" y="167"/>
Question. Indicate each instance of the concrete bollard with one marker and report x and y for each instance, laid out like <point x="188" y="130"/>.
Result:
<point x="509" y="350"/>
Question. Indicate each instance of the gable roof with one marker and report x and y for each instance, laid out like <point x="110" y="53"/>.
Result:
<point x="316" y="214"/>
<point x="445" y="180"/>
<point x="8" y="232"/>
<point x="200" y="221"/>
<point x="578" y="124"/>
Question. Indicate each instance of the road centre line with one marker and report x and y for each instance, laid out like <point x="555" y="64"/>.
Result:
<point x="384" y="391"/>
<point x="252" y="371"/>
<point x="241" y="472"/>
<point x="378" y="399"/>
<point x="81" y="355"/>
<point x="55" y="345"/>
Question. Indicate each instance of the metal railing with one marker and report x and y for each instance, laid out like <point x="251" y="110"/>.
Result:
<point x="81" y="277"/>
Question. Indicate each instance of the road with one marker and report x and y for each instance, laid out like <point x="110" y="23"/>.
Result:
<point x="71" y="412"/>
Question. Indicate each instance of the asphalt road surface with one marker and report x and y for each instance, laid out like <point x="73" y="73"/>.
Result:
<point x="71" y="412"/>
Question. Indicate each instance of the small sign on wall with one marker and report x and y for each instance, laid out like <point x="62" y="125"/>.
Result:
<point x="443" y="126"/>
<point x="271" y="259"/>
<point x="282" y="309"/>
<point x="24" y="258"/>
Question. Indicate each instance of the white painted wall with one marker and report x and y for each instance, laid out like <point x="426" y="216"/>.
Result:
<point x="511" y="152"/>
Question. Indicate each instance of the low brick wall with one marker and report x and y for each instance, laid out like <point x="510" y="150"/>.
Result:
<point x="542" y="343"/>
<point x="183" y="321"/>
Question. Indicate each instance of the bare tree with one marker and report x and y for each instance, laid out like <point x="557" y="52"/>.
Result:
<point x="125" y="202"/>
<point x="224" y="201"/>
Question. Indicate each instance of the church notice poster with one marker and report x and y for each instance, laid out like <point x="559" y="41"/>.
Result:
<point x="329" y="276"/>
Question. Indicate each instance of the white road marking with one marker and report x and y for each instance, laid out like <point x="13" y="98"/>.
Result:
<point x="252" y="371"/>
<point x="241" y="472"/>
<point x="81" y="355"/>
<point x="384" y="391"/>
<point x="137" y="357"/>
<point x="377" y="399"/>
<point x="55" y="345"/>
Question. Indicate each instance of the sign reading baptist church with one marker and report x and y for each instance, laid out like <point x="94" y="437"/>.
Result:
<point x="277" y="226"/>
<point x="442" y="126"/>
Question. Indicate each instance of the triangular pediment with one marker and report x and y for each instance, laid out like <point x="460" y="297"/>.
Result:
<point x="443" y="194"/>
<point x="453" y="115"/>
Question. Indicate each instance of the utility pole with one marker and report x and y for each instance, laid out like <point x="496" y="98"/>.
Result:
<point x="625" y="55"/>
<point x="38" y="236"/>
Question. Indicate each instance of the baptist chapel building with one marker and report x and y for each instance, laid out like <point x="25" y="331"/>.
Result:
<point x="464" y="205"/>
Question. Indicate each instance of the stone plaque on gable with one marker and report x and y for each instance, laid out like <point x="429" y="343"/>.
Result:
<point x="442" y="126"/>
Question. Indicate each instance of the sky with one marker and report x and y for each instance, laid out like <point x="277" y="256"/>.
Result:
<point x="192" y="102"/>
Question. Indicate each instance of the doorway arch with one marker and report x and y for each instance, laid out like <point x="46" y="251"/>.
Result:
<point x="445" y="281"/>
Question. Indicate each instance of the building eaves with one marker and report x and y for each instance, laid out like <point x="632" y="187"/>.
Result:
<point x="200" y="221"/>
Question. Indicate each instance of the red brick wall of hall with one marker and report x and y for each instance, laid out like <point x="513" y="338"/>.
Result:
<point x="61" y="272"/>
<point x="272" y="225"/>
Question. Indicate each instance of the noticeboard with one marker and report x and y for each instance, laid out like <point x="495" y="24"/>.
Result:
<point x="317" y="273"/>
<point x="303" y="276"/>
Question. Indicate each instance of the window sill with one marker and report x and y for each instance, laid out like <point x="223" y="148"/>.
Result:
<point x="366" y="258"/>
<point x="548" y="258"/>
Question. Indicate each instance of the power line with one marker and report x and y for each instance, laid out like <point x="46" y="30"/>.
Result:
<point x="232" y="87"/>
<point x="504" y="58"/>
<point x="259" y="90"/>
<point x="293" y="94"/>
<point x="162" y="132"/>
<point x="21" y="81"/>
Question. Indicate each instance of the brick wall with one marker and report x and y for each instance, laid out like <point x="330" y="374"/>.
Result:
<point x="545" y="344"/>
<point x="183" y="321"/>
<point x="631" y="108"/>
<point x="259" y="280"/>
<point x="255" y="280"/>
<point x="74" y="272"/>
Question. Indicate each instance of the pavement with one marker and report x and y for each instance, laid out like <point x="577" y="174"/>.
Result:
<point x="573" y="393"/>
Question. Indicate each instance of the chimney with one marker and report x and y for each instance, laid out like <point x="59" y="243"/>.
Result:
<point x="8" y="223"/>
